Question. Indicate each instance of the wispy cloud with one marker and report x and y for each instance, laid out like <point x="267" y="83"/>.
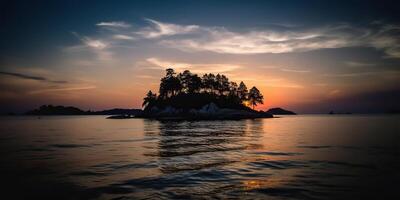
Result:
<point x="92" y="43"/>
<point x="98" y="46"/>
<point x="281" y="83"/>
<point x="123" y="37"/>
<point x="62" y="89"/>
<point x="334" y="93"/>
<point x="194" y="67"/>
<point x="385" y="73"/>
<point x="158" y="29"/>
<point x="358" y="64"/>
<point x="31" y="77"/>
<point x="354" y="74"/>
<point x="118" y="24"/>
<point x="293" y="39"/>
<point x="196" y="38"/>
<point x="320" y="84"/>
<point x="295" y="71"/>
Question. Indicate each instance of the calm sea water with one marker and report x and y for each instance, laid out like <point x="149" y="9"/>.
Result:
<point x="293" y="157"/>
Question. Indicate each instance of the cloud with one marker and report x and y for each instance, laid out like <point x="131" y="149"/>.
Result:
<point x="289" y="39"/>
<point x="196" y="38"/>
<point x="62" y="89"/>
<point x="278" y="83"/>
<point x="286" y="39"/>
<point x="293" y="86"/>
<point x="385" y="73"/>
<point x="30" y="77"/>
<point x="99" y="47"/>
<point x="119" y="24"/>
<point x="90" y="42"/>
<point x="158" y="29"/>
<point x="146" y="77"/>
<point x="123" y="37"/>
<point x="95" y="44"/>
<point x="220" y="40"/>
<point x="320" y="84"/>
<point x="295" y="71"/>
<point x="358" y="64"/>
<point x="196" y="68"/>
<point x="334" y="93"/>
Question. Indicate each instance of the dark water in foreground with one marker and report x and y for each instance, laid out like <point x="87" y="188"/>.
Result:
<point x="294" y="157"/>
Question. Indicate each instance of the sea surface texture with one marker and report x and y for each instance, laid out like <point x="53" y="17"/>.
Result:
<point x="291" y="157"/>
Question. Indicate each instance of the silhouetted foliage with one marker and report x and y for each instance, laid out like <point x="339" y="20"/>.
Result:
<point x="187" y="90"/>
<point x="242" y="91"/>
<point x="56" y="110"/>
<point x="170" y="84"/>
<point x="255" y="97"/>
<point x="70" y="110"/>
<point x="149" y="99"/>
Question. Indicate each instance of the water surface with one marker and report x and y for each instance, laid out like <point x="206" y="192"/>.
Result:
<point x="292" y="157"/>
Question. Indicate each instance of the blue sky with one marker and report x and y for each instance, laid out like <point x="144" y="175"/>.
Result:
<point x="309" y="56"/>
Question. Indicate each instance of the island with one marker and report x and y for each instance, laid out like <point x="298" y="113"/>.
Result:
<point x="189" y="96"/>
<point x="280" y="111"/>
<point x="70" y="110"/>
<point x="184" y="96"/>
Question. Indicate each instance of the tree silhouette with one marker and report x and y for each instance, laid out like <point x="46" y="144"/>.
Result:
<point x="255" y="97"/>
<point x="208" y="83"/>
<point x="242" y="91"/>
<point x="223" y="84"/>
<point x="233" y="89"/>
<point x="187" y="90"/>
<point x="149" y="99"/>
<point x="191" y="83"/>
<point x="170" y="85"/>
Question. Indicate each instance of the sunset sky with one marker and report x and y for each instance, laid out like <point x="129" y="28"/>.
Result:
<point x="306" y="56"/>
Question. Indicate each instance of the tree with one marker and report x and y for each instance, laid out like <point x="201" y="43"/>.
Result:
<point x="149" y="99"/>
<point x="224" y="85"/>
<point x="233" y="87"/>
<point x="170" y="85"/>
<point x="242" y="91"/>
<point x="188" y="90"/>
<point x="217" y="83"/>
<point x="208" y="83"/>
<point x="169" y="72"/>
<point x="194" y="84"/>
<point x="255" y="97"/>
<point x="191" y="83"/>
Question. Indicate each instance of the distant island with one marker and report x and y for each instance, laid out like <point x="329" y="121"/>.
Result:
<point x="188" y="96"/>
<point x="280" y="111"/>
<point x="70" y="110"/>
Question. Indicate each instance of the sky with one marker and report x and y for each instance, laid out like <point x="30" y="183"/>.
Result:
<point x="306" y="56"/>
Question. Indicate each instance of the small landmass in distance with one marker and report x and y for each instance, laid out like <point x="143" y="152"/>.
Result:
<point x="70" y="110"/>
<point x="280" y="111"/>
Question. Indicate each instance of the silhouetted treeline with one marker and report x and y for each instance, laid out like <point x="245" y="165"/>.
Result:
<point x="70" y="110"/>
<point x="187" y="90"/>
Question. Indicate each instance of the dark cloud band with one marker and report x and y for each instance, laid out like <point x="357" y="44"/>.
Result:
<point x="30" y="77"/>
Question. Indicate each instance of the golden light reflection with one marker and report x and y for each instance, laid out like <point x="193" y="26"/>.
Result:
<point x="246" y="103"/>
<point x="267" y="183"/>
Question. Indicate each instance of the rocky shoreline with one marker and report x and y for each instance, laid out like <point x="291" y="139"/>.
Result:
<point x="208" y="112"/>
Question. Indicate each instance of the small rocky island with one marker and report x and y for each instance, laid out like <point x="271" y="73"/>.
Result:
<point x="188" y="96"/>
<point x="280" y="111"/>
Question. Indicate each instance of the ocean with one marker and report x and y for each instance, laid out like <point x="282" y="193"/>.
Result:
<point x="288" y="157"/>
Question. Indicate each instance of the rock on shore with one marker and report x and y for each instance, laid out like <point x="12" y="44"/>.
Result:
<point x="208" y="111"/>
